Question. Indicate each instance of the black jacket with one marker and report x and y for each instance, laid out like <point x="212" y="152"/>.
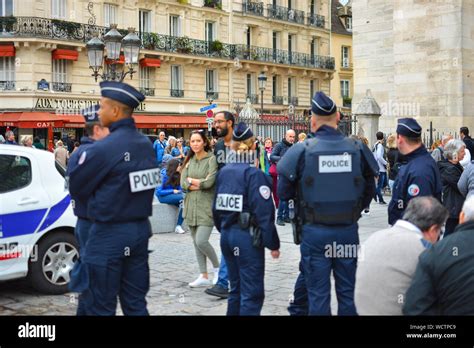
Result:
<point x="443" y="283"/>
<point x="279" y="150"/>
<point x="395" y="160"/>
<point x="452" y="199"/>
<point x="469" y="143"/>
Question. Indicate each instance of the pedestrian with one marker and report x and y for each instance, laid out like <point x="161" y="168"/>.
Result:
<point x="301" y="137"/>
<point x="180" y="151"/>
<point x="438" y="147"/>
<point x="262" y="161"/>
<point x="224" y="124"/>
<point x="171" y="145"/>
<point x="464" y="133"/>
<point x="10" y="138"/>
<point x="278" y="151"/>
<point x="450" y="171"/>
<point x="117" y="176"/>
<point x="272" y="170"/>
<point x="94" y="131"/>
<point x="419" y="176"/>
<point x="198" y="179"/>
<point x="170" y="191"/>
<point x="37" y="143"/>
<point x="379" y="154"/>
<point x="76" y="146"/>
<point x="27" y="140"/>
<point x="395" y="160"/>
<point x="244" y="213"/>
<point x="159" y="146"/>
<point x="391" y="256"/>
<point x="60" y="154"/>
<point x="2" y="139"/>
<point x="466" y="181"/>
<point x="331" y="179"/>
<point x="443" y="283"/>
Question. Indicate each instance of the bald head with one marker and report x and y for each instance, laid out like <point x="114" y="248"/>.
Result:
<point x="290" y="136"/>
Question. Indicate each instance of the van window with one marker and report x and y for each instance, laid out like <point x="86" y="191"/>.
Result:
<point x="15" y="172"/>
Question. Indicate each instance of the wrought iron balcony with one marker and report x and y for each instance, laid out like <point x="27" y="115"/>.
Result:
<point x="277" y="100"/>
<point x="285" y="14"/>
<point x="149" y="92"/>
<point x="253" y="98"/>
<point x="293" y="101"/>
<point x="212" y="95"/>
<point x="44" y="28"/>
<point x="61" y="87"/>
<point x="253" y="8"/>
<point x="177" y="93"/>
<point x="7" y="85"/>
<point x="317" y="21"/>
<point x="213" y="4"/>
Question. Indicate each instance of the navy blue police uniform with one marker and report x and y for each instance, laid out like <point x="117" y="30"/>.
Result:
<point x="117" y="176"/>
<point x="418" y="177"/>
<point x="333" y="179"/>
<point x="84" y="224"/>
<point x="242" y="188"/>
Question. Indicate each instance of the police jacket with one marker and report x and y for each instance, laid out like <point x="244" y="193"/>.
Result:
<point x="292" y="168"/>
<point x="165" y="189"/>
<point x="279" y="150"/>
<point x="243" y="188"/>
<point x="220" y="151"/>
<point x="117" y="175"/>
<point x="80" y="205"/>
<point x="452" y="199"/>
<point x="419" y="177"/>
<point x="443" y="283"/>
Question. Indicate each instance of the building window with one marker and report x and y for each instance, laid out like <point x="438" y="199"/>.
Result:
<point x="58" y="9"/>
<point x="145" y="77"/>
<point x="314" y="47"/>
<point x="177" y="81"/>
<point x="345" y="56"/>
<point x="211" y="80"/>
<point x="144" y="21"/>
<point x="250" y="84"/>
<point x="110" y="14"/>
<point x="175" y="26"/>
<point x="313" y="7"/>
<point x="311" y="90"/>
<point x="345" y="89"/>
<point x="60" y="69"/>
<point x="6" y="7"/>
<point x="349" y="23"/>
<point x="210" y="31"/>
<point x="276" y="90"/>
<point x="7" y="73"/>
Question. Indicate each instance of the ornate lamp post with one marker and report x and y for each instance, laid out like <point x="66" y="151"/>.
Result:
<point x="113" y="43"/>
<point x="262" y="83"/>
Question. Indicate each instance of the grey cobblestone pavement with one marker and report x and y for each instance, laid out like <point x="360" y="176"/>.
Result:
<point x="173" y="265"/>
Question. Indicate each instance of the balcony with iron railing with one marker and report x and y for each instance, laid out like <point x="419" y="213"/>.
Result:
<point x="292" y="100"/>
<point x="146" y="91"/>
<point x="212" y="95"/>
<point x="43" y="28"/>
<point x="285" y="14"/>
<point x="177" y="93"/>
<point x="253" y="8"/>
<point x="252" y="97"/>
<point x="61" y="87"/>
<point x="7" y="85"/>
<point x="277" y="100"/>
<point x="316" y="20"/>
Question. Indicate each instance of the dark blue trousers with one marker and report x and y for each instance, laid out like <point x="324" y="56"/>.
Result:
<point x="116" y="257"/>
<point x="325" y="249"/>
<point x="299" y="302"/>
<point x="246" y="269"/>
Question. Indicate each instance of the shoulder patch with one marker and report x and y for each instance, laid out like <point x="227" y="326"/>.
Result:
<point x="265" y="192"/>
<point x="82" y="159"/>
<point x="413" y="190"/>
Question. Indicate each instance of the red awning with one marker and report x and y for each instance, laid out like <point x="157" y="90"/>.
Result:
<point x="121" y="60"/>
<point x="31" y="120"/>
<point x="172" y="121"/>
<point x="7" y="50"/>
<point x="151" y="62"/>
<point x="65" y="54"/>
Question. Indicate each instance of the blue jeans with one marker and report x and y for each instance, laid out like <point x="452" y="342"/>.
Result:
<point x="381" y="183"/>
<point x="174" y="199"/>
<point x="283" y="212"/>
<point x="223" y="280"/>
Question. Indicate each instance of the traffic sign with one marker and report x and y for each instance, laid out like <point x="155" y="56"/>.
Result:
<point x="209" y="113"/>
<point x="209" y="107"/>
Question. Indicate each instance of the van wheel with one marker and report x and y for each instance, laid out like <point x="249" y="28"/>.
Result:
<point x="49" y="271"/>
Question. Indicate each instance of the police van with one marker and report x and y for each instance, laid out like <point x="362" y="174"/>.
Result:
<point x="36" y="220"/>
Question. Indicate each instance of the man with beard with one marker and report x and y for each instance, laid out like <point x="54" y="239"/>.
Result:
<point x="224" y="124"/>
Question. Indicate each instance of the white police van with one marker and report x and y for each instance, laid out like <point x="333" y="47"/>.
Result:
<point x="36" y="220"/>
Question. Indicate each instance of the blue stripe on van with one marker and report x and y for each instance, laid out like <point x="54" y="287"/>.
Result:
<point x="19" y="224"/>
<point x="55" y="212"/>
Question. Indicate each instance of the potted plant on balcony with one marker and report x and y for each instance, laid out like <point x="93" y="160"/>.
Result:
<point x="347" y="102"/>
<point x="70" y="28"/>
<point x="213" y="3"/>
<point x="150" y="41"/>
<point x="7" y="23"/>
<point x="216" y="46"/>
<point x="183" y="44"/>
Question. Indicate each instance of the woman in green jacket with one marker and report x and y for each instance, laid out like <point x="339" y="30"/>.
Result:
<point x="198" y="179"/>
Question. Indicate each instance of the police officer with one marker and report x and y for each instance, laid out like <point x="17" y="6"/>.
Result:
<point x="332" y="178"/>
<point x="244" y="213"/>
<point x="95" y="131"/>
<point x="419" y="177"/>
<point x="117" y="176"/>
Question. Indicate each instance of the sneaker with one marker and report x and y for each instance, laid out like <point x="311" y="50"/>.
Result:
<point x="366" y="212"/>
<point x="280" y="222"/>
<point x="218" y="291"/>
<point x="216" y="276"/>
<point x="200" y="282"/>
<point x="382" y="202"/>
<point x="179" y="230"/>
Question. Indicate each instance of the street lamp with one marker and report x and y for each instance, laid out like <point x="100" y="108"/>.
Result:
<point x="113" y="43"/>
<point x="262" y="82"/>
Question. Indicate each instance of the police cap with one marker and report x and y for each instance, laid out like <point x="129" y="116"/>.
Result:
<point x="322" y="105"/>
<point x="409" y="128"/>
<point x="242" y="132"/>
<point x="122" y="93"/>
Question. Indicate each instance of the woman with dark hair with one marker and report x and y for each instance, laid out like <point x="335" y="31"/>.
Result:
<point x="170" y="192"/>
<point x="197" y="179"/>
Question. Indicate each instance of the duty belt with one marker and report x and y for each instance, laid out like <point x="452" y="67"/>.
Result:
<point x="313" y="217"/>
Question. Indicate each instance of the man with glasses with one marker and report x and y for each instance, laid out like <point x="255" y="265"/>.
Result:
<point x="160" y="146"/>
